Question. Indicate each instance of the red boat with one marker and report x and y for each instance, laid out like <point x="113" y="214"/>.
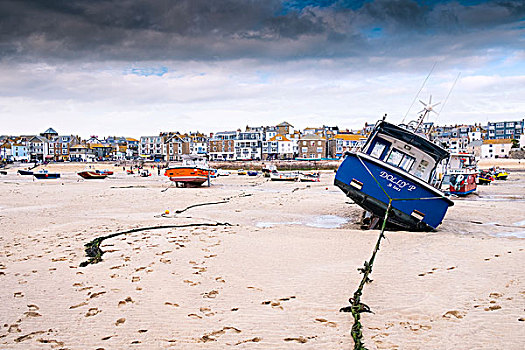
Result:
<point x="92" y="175"/>
<point x="193" y="172"/>
<point x="485" y="177"/>
<point x="461" y="175"/>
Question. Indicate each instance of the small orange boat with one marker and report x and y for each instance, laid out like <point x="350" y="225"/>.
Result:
<point x="193" y="172"/>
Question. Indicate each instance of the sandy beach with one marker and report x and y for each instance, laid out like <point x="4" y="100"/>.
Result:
<point x="274" y="277"/>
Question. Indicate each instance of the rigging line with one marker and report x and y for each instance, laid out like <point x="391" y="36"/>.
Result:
<point x="417" y="95"/>
<point x="446" y="99"/>
<point x="444" y="103"/>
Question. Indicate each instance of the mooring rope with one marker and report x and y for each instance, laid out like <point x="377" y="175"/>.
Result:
<point x="356" y="306"/>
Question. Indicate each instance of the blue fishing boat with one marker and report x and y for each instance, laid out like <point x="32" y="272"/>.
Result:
<point x="396" y="168"/>
<point x="44" y="174"/>
<point x="25" y="172"/>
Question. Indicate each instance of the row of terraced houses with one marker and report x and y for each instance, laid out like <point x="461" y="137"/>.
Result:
<point x="282" y="141"/>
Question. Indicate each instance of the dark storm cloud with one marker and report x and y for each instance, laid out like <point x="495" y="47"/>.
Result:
<point x="229" y="29"/>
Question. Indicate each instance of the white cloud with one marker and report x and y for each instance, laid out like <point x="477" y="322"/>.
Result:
<point x="102" y="99"/>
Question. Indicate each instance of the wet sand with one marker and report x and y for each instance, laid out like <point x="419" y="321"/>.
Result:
<point x="274" y="279"/>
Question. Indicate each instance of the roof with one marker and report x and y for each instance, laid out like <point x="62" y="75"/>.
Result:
<point x="349" y="137"/>
<point x="131" y="139"/>
<point x="99" y="145"/>
<point x="275" y="138"/>
<point x="433" y="150"/>
<point x="50" y="131"/>
<point x="497" y="141"/>
<point x="311" y="137"/>
<point x="285" y="124"/>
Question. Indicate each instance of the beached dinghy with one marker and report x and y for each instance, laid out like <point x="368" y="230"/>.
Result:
<point x="25" y="172"/>
<point x="268" y="170"/>
<point x="310" y="177"/>
<point x="396" y="168"/>
<point x="485" y="177"/>
<point x="45" y="175"/>
<point x="284" y="176"/>
<point x="91" y="175"/>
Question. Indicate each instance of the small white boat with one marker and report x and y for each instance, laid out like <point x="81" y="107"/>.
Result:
<point x="310" y="177"/>
<point x="280" y="176"/>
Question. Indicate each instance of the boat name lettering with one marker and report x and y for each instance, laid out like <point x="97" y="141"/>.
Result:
<point x="399" y="183"/>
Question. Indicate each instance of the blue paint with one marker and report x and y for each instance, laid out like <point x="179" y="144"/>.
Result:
<point x="397" y="186"/>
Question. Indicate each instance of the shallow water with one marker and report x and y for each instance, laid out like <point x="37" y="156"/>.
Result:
<point x="327" y="221"/>
<point x="519" y="223"/>
<point x="501" y="197"/>
<point x="322" y="221"/>
<point x="517" y="234"/>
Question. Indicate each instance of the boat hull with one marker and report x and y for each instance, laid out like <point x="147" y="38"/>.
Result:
<point x="189" y="176"/>
<point x="416" y="206"/>
<point x="467" y="186"/>
<point x="284" y="177"/>
<point x="45" y="176"/>
<point x="309" y="178"/>
<point x="91" y="175"/>
<point x="25" y="172"/>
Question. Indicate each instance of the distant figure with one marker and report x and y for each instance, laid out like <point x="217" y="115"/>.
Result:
<point x="158" y="171"/>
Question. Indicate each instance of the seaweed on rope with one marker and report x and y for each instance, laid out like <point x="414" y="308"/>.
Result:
<point x="94" y="253"/>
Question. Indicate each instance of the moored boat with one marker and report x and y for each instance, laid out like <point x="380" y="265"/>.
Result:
<point x="499" y="174"/>
<point x="310" y="177"/>
<point x="241" y="172"/>
<point x="396" y="169"/>
<point x="461" y="174"/>
<point x="44" y="174"/>
<point x="104" y="172"/>
<point x="267" y="170"/>
<point x="284" y="176"/>
<point x="86" y="174"/>
<point x="25" y="172"/>
<point x="485" y="177"/>
<point x="193" y="172"/>
<point x="252" y="173"/>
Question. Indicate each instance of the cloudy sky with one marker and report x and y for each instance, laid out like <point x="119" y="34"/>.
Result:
<point x="138" y="67"/>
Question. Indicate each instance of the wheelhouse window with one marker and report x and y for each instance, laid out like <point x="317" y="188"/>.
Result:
<point x="400" y="159"/>
<point x="377" y="150"/>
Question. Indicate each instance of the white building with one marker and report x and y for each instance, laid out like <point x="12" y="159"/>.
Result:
<point x="152" y="147"/>
<point x="248" y="146"/>
<point x="496" y="148"/>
